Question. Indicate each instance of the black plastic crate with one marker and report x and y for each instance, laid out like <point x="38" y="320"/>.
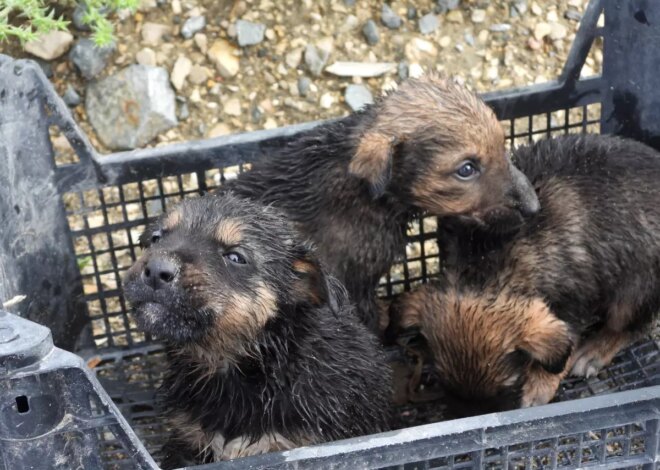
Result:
<point x="88" y="211"/>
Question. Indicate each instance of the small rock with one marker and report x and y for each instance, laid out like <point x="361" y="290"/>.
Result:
<point x="193" y="25"/>
<point x="418" y="49"/>
<point x="50" y="46"/>
<point x="459" y="47"/>
<point x="184" y="111"/>
<point x="176" y="7"/>
<point x="358" y="96"/>
<point x="218" y="130"/>
<point x="249" y="33"/>
<point x="455" y="16"/>
<point x="541" y="30"/>
<point x="88" y="58"/>
<point x="71" y="97"/>
<point x="361" y="69"/>
<point x="270" y="123"/>
<point x="294" y="57"/>
<point x="429" y="23"/>
<point x="575" y="3"/>
<point x="350" y="23"/>
<point x="389" y="18"/>
<point x="199" y="74"/>
<point x="78" y="14"/>
<point x="500" y="27"/>
<point x="132" y="107"/>
<point x="445" y="42"/>
<point x="415" y="71"/>
<point x="448" y="4"/>
<point x="326" y="101"/>
<point x="152" y="33"/>
<point x="180" y="71"/>
<point x="370" y="32"/>
<point x="146" y="5"/>
<point x="572" y="15"/>
<point x="534" y="44"/>
<point x="552" y="16"/>
<point x="469" y="39"/>
<point x="232" y="107"/>
<point x="478" y="16"/>
<point x="411" y="13"/>
<point x="536" y="9"/>
<point x="146" y="56"/>
<point x="202" y="42"/>
<point x="491" y="73"/>
<point x="303" y="85"/>
<point x="256" y="113"/>
<point x="402" y="70"/>
<point x="518" y="8"/>
<point x="559" y="31"/>
<point x="315" y="59"/>
<point x="221" y="53"/>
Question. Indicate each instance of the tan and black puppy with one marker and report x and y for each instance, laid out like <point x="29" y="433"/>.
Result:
<point x="264" y="351"/>
<point x="491" y="351"/>
<point x="590" y="258"/>
<point x="353" y="185"/>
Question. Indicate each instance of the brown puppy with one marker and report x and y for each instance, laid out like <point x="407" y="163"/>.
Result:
<point x="584" y="272"/>
<point x="353" y="185"/>
<point x="492" y="351"/>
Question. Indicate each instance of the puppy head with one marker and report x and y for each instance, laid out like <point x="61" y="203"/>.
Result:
<point x="216" y="269"/>
<point x="491" y="352"/>
<point x="439" y="148"/>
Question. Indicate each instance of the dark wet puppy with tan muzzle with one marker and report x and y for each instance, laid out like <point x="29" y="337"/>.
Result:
<point x="264" y="350"/>
<point x="352" y="186"/>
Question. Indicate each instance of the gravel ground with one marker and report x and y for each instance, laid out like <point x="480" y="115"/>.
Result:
<point x="488" y="44"/>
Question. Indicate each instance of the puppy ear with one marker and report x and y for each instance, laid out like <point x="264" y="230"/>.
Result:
<point x="312" y="285"/>
<point x="373" y="161"/>
<point x="547" y="339"/>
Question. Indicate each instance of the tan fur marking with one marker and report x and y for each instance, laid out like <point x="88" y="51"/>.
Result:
<point x="172" y="219"/>
<point x="190" y="432"/>
<point x="229" y="232"/>
<point x="598" y="351"/>
<point x="239" y="319"/>
<point x="371" y="157"/>
<point x="242" y="447"/>
<point x="540" y="387"/>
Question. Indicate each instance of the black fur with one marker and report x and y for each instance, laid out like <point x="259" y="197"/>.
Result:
<point x="357" y="236"/>
<point x="312" y="373"/>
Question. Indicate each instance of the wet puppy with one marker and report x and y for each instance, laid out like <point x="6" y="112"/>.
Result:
<point x="492" y="351"/>
<point x="593" y="251"/>
<point x="264" y="350"/>
<point x="353" y="185"/>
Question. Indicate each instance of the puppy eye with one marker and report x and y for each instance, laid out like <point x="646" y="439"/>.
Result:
<point x="235" y="258"/>
<point x="467" y="171"/>
<point x="156" y="236"/>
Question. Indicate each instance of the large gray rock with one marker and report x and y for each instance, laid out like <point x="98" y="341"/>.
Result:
<point x="88" y="58"/>
<point x="132" y="107"/>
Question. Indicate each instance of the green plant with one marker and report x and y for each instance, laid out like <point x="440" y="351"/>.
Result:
<point x="37" y="17"/>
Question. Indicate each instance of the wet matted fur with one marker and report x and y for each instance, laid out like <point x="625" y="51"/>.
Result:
<point x="264" y="350"/>
<point x="352" y="186"/>
<point x="592" y="253"/>
<point x="492" y="350"/>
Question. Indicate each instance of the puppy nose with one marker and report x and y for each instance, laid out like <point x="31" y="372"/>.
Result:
<point x="159" y="273"/>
